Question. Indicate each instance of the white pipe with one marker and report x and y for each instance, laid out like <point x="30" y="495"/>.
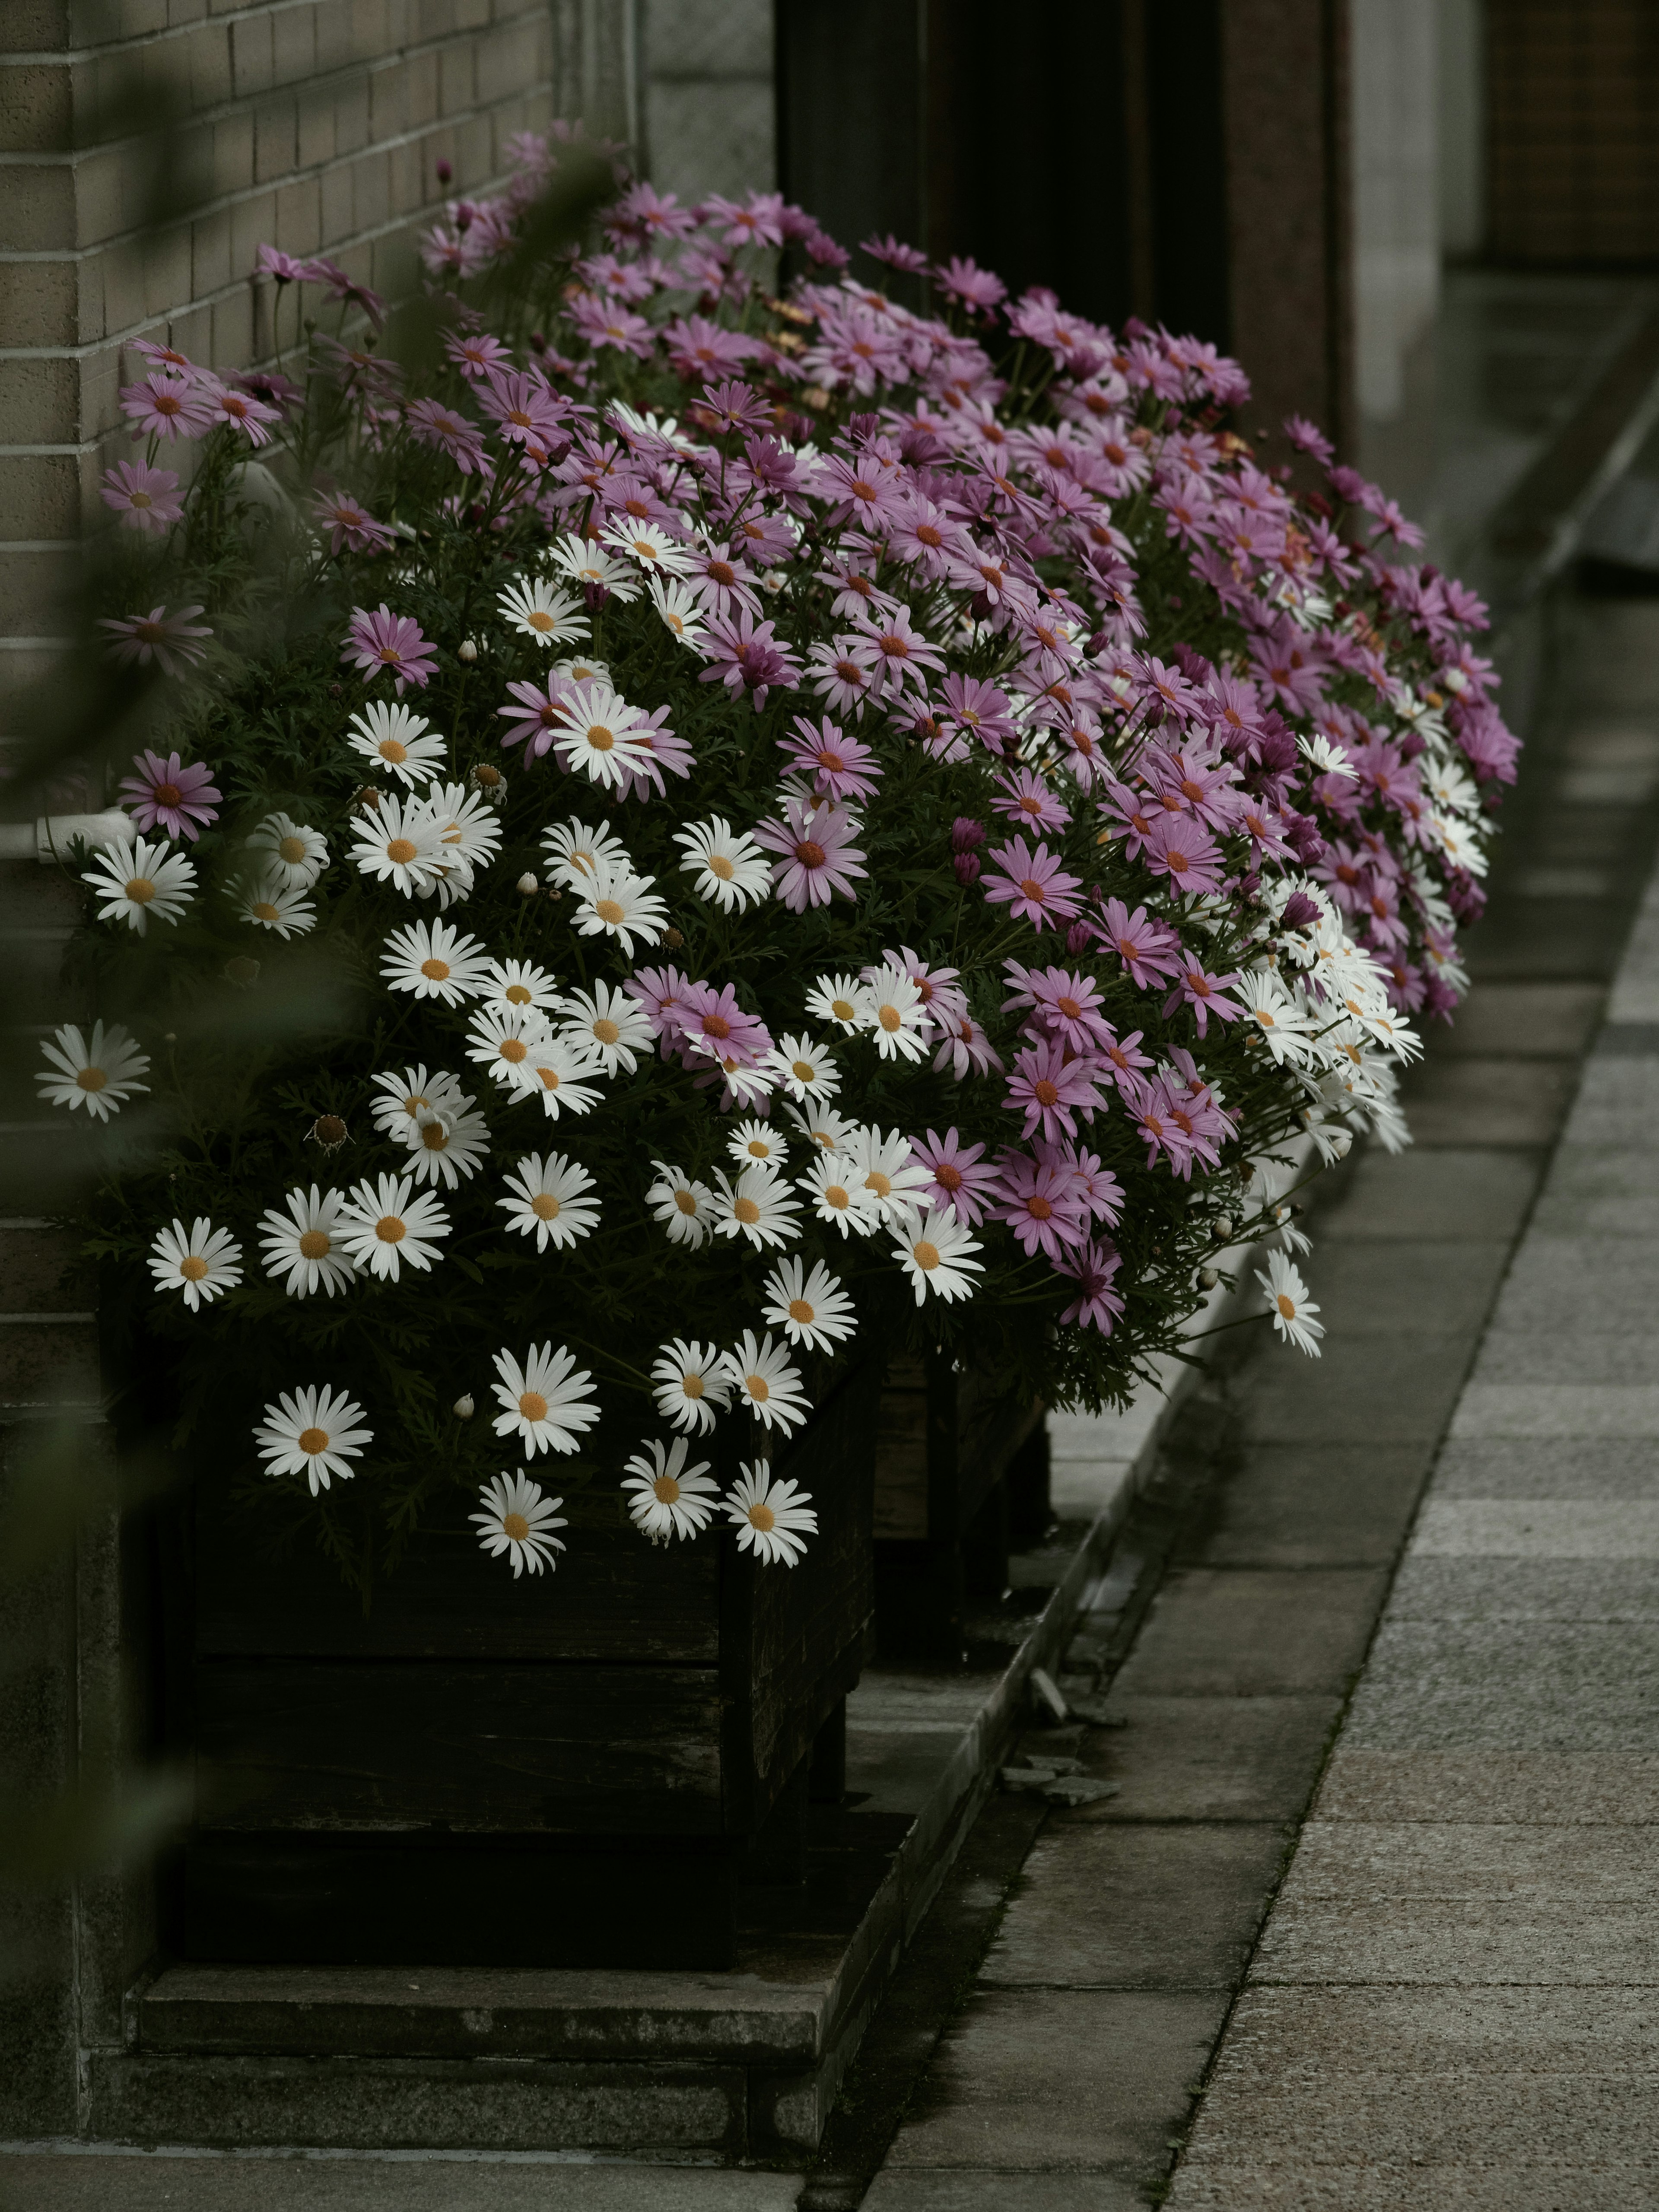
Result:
<point x="48" y="837"/>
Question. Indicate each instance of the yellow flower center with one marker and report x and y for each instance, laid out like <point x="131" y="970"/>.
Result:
<point x="721" y="866"/>
<point x="758" y="1387"/>
<point x="92" y="1078"/>
<point x="610" y="912"/>
<point x="539" y="619"/>
<point x="598" y="739"/>
<point x="890" y="1019"/>
<point x="925" y="1255"/>
<point x="435" y="971"/>
<point x="691" y="1386"/>
<point x="264" y="911"/>
<point x="763" y="1518"/>
<point x="549" y="1078"/>
<point x="1286" y="1306"/>
<point x="835" y="1195"/>
<point x="390" y="1230"/>
<point x="544" y="1206"/>
<point x="314" y="1244"/>
<point x="390" y="751"/>
<point x="842" y="1009"/>
<point x="802" y="1070"/>
<point x="312" y="1441"/>
<point x="435" y="1137"/>
<point x="516" y="996"/>
<point x="666" y="1490"/>
<point x="515" y="1049"/>
<point x="532" y="1406"/>
<point x="800" y="1311"/>
<point x="140" y="890"/>
<point x="686" y="1202"/>
<point x="400" y="850"/>
<point x="746" y="1211"/>
<point x="606" y="1030"/>
<point x="193" y="1269"/>
<point x="876" y="1181"/>
<point x="291" y="849"/>
<point x="515" y="1526"/>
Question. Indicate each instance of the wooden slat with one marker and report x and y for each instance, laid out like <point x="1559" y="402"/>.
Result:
<point x="522" y="1750"/>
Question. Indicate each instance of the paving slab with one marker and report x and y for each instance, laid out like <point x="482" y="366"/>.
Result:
<point x="1452" y="1859"/>
<point x="1452" y="1196"/>
<point x="1062" y="2081"/>
<point x="1524" y="1020"/>
<point x="1137" y="1907"/>
<point x="1585" y="1284"/>
<point x="1577" y="1357"/>
<point x="1587" y="1468"/>
<point x="924" y="2189"/>
<point x="1311" y="1505"/>
<point x="1509" y="1686"/>
<point x="1408" y="2187"/>
<point x="1470" y="1101"/>
<point x="1599" y="1190"/>
<point x="1254" y="1632"/>
<point x="1376" y="1288"/>
<point x="1366" y="1783"/>
<point x="1537" y="1528"/>
<point x="1464" y="1587"/>
<point x="1207" y="1759"/>
<point x="1393" y="1387"/>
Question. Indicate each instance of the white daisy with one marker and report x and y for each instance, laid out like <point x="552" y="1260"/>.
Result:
<point x="934" y="1253"/>
<point x="314" y="1433"/>
<point x="604" y="735"/>
<point x="810" y="1308"/>
<point x="729" y="866"/>
<point x="835" y="1188"/>
<point x="758" y="1206"/>
<point x="546" y="1400"/>
<point x="765" y="1378"/>
<point x="383" y="1227"/>
<point x="467" y="825"/>
<point x="753" y="1141"/>
<point x="896" y="1015"/>
<point x="616" y="903"/>
<point x="678" y="609"/>
<point x="608" y="1025"/>
<point x="397" y="843"/>
<point x="666" y="1497"/>
<point x="804" y="1067"/>
<point x="573" y="851"/>
<point x="519" y="1520"/>
<point x="841" y="999"/>
<point x="138" y="881"/>
<point x="685" y="1208"/>
<point x="585" y="669"/>
<point x="1326" y="758"/>
<point x="691" y="1382"/>
<point x="650" y="544"/>
<point x="201" y="1262"/>
<point x="1291" y="1308"/>
<point x="745" y="1086"/>
<point x="102" y="1075"/>
<point x="519" y="983"/>
<point x="499" y="1038"/>
<point x="274" y="906"/>
<point x="402" y="1097"/>
<point x="1275" y="1014"/>
<point x="304" y="1243"/>
<point x="562" y="1076"/>
<point x="883" y="1164"/>
<point x="585" y="562"/>
<point x="773" y="1519"/>
<point x="821" y="1126"/>
<point x="541" y="611"/>
<point x="448" y="1143"/>
<point x="398" y="739"/>
<point x="288" y="853"/>
<point x="549" y="1200"/>
<point x="434" y="960"/>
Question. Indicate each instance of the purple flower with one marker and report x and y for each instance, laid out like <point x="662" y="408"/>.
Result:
<point x="270" y="262"/>
<point x="477" y="354"/>
<point x="1098" y="1189"/>
<point x="967" y="835"/>
<point x="525" y="411"/>
<point x="541" y="713"/>
<point x="906" y="259"/>
<point x="165" y="792"/>
<point x="1308" y="438"/>
<point x="843" y="766"/>
<point x="712" y="1025"/>
<point x="744" y="656"/>
<point x="143" y="497"/>
<point x="967" y="867"/>
<point x="1064" y="1004"/>
<point x="1034" y="884"/>
<point x="393" y="644"/>
<point x="1184" y="851"/>
<point x="230" y="405"/>
<point x="353" y="526"/>
<point x="1149" y="949"/>
<point x="1205" y="993"/>
<point x="980" y="710"/>
<point x="1096" y="1305"/>
<point x="963" y="280"/>
<point x="1048" y="1083"/>
<point x="966" y="1049"/>
<point x="819" y="858"/>
<point x="894" y="651"/>
<point x="1040" y="1204"/>
<point x="165" y="406"/>
<point x="1027" y="799"/>
<point x="453" y="433"/>
<point x="962" y="1186"/>
<point x="166" y="638"/>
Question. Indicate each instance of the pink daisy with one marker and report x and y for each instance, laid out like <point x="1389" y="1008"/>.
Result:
<point x="165" y="406"/>
<point x="451" y="432"/>
<point x="143" y="497"/>
<point x="1040" y="1204"/>
<point x="964" y="1184"/>
<point x="843" y="767"/>
<point x="166" y="638"/>
<point x="242" y="411"/>
<point x="1027" y="799"/>
<point x="165" y="794"/>
<point x="1034" y="884"/>
<point x="1046" y="1085"/>
<point x="351" y="525"/>
<point x="819" y="858"/>
<point x="383" y="643"/>
<point x="542" y="713"/>
<point x="966" y="1050"/>
<point x="1093" y="1269"/>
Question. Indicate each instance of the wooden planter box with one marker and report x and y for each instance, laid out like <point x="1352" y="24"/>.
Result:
<point x="957" y="1467"/>
<point x="565" y="1770"/>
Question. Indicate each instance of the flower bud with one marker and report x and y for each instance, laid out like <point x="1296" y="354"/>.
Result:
<point x="1077" y="938"/>
<point x="1207" y="1279"/>
<point x="966" y="834"/>
<point x="967" y="867"/>
<point x="467" y="650"/>
<point x="528" y="886"/>
<point x="465" y="1408"/>
<point x="1223" y="1228"/>
<point x="442" y="171"/>
<point x="329" y="1131"/>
